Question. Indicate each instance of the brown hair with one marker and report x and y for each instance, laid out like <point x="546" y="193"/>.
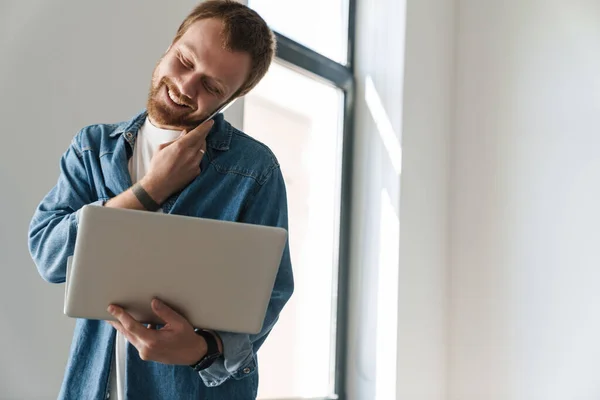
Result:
<point x="243" y="30"/>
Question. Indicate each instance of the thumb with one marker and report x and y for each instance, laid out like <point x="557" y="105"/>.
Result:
<point x="199" y="133"/>
<point x="166" y="313"/>
<point x="164" y="145"/>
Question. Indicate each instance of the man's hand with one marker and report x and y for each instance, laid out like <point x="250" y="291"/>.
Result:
<point x="176" y="163"/>
<point x="176" y="343"/>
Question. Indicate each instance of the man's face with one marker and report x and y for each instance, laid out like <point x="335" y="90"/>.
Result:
<point x="195" y="77"/>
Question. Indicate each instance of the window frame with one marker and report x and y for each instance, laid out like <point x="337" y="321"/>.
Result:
<point x="304" y="59"/>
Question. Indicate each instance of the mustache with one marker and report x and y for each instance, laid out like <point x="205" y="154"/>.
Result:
<point x="175" y="92"/>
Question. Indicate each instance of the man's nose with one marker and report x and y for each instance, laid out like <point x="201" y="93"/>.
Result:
<point x="188" y="85"/>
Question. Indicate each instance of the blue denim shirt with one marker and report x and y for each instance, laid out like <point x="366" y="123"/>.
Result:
<point x="240" y="181"/>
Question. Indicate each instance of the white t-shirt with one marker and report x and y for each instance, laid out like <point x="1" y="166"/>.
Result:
<point x="149" y="138"/>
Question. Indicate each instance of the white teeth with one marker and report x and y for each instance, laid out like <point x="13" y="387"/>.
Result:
<point x="174" y="98"/>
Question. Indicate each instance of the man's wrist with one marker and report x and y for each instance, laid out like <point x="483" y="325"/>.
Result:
<point x="217" y="339"/>
<point x="202" y="347"/>
<point x="147" y="202"/>
<point x="153" y="190"/>
<point x="209" y="347"/>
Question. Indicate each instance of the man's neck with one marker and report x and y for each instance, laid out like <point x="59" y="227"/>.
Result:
<point x="165" y="127"/>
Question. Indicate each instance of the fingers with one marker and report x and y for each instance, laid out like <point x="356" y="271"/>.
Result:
<point x="131" y="338"/>
<point x="170" y="345"/>
<point x="167" y="314"/>
<point x="198" y="134"/>
<point x="127" y="325"/>
<point x="200" y="154"/>
<point x="162" y="146"/>
<point x="145" y="347"/>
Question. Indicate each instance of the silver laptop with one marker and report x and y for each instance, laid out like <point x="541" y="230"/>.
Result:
<point x="217" y="274"/>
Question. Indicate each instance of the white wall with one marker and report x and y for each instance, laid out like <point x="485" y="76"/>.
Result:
<point x="428" y="116"/>
<point x="525" y="202"/>
<point x="65" y="64"/>
<point x="398" y="324"/>
<point x="519" y="251"/>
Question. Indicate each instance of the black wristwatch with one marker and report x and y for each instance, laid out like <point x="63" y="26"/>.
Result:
<point x="212" y="352"/>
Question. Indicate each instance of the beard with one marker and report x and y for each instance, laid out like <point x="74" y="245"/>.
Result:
<point x="164" y="113"/>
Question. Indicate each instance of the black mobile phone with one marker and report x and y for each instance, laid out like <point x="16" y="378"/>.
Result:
<point x="222" y="108"/>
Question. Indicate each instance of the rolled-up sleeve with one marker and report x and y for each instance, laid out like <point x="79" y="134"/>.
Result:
<point x="53" y="227"/>
<point x="267" y="207"/>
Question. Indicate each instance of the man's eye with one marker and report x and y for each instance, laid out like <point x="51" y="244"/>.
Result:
<point x="186" y="63"/>
<point x="211" y="89"/>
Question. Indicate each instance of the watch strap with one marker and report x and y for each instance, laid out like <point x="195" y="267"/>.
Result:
<point x="143" y="197"/>
<point x="212" y="351"/>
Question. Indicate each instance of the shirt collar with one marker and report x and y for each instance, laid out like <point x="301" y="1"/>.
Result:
<point x="219" y="137"/>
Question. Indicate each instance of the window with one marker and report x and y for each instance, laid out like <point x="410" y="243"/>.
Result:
<point x="320" y="25"/>
<point x="298" y="117"/>
<point x="303" y="110"/>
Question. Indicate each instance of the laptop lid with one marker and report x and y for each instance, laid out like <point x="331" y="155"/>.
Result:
<point x="218" y="274"/>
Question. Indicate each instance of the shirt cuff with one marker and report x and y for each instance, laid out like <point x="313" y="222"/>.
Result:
<point x="238" y="360"/>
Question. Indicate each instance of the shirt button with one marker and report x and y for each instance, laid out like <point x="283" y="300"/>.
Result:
<point x="246" y="370"/>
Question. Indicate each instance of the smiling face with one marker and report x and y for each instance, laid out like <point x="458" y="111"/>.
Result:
<point x="195" y="77"/>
